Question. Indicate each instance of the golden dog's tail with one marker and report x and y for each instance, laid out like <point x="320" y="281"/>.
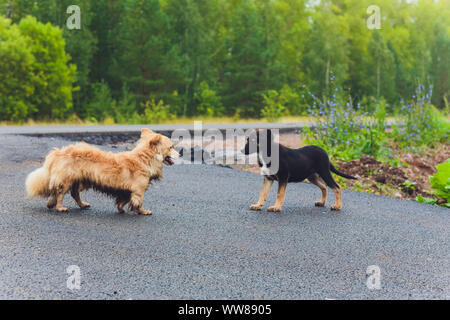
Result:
<point x="37" y="183"/>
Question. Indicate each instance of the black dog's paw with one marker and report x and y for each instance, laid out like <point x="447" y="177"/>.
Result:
<point x="255" y="207"/>
<point x="319" y="204"/>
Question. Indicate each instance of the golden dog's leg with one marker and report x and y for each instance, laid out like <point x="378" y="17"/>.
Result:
<point x="318" y="181"/>
<point x="338" y="194"/>
<point x="263" y="195"/>
<point x="75" y="193"/>
<point x="136" y="204"/>
<point x="51" y="202"/>
<point x="60" y="193"/>
<point x="120" y="206"/>
<point x="280" y="196"/>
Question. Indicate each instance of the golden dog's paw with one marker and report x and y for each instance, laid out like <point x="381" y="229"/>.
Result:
<point x="51" y="205"/>
<point x="255" y="207"/>
<point x="335" y="208"/>
<point x="85" y="205"/>
<point x="145" y="212"/>
<point x="274" y="209"/>
<point x="62" y="209"/>
<point x="319" y="204"/>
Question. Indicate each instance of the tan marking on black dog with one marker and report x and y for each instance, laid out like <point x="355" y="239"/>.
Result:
<point x="263" y="195"/>
<point x="318" y="181"/>
<point x="338" y="194"/>
<point x="280" y="197"/>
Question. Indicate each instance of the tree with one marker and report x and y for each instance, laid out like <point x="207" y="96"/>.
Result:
<point x="39" y="80"/>
<point x="16" y="74"/>
<point x="327" y="55"/>
<point x="188" y="32"/>
<point x="290" y="28"/>
<point x="105" y="25"/>
<point x="381" y="70"/>
<point x="248" y="64"/>
<point x="79" y="44"/>
<point x="147" y="60"/>
<point x="440" y="66"/>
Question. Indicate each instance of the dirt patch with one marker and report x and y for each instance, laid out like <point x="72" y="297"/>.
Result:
<point x="404" y="181"/>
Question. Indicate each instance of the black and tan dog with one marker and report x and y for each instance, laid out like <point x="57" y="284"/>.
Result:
<point x="294" y="165"/>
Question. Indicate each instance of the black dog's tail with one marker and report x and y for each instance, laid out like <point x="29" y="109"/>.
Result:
<point x="333" y="169"/>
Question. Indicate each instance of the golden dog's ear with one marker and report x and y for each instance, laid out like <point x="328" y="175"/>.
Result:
<point x="146" y="132"/>
<point x="155" y="140"/>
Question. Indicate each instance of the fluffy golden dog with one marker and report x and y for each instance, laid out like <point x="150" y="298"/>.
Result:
<point x="124" y="176"/>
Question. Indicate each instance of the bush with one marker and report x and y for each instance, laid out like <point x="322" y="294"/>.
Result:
<point x="125" y="111"/>
<point x="345" y="130"/>
<point x="440" y="183"/>
<point x="423" y="125"/>
<point x="274" y="106"/>
<point x="294" y="100"/>
<point x="209" y="103"/>
<point x="155" y="112"/>
<point x="102" y="104"/>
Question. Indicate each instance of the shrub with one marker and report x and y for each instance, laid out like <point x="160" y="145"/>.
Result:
<point x="102" y="104"/>
<point x="155" y="112"/>
<point x="126" y="107"/>
<point x="423" y="125"/>
<point x="209" y="103"/>
<point x="440" y="183"/>
<point x="345" y="130"/>
<point x="294" y="100"/>
<point x="274" y="107"/>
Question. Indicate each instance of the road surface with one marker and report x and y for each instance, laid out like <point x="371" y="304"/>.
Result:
<point x="203" y="243"/>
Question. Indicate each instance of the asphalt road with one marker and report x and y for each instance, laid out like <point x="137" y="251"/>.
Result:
<point x="93" y="129"/>
<point x="203" y="243"/>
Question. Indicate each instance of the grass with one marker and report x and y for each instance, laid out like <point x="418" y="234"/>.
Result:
<point x="179" y="120"/>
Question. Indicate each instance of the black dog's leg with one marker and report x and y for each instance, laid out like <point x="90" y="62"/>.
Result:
<point x="280" y="196"/>
<point x="263" y="195"/>
<point x="318" y="181"/>
<point x="325" y="174"/>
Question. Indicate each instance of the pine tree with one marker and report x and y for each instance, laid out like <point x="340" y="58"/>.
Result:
<point x="326" y="57"/>
<point x="147" y="60"/>
<point x="248" y="63"/>
<point x="188" y="32"/>
<point x="381" y="70"/>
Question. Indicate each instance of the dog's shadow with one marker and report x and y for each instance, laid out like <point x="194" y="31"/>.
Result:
<point x="76" y="212"/>
<point x="292" y="210"/>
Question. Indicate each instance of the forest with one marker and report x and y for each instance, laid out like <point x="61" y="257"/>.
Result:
<point x="147" y="61"/>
